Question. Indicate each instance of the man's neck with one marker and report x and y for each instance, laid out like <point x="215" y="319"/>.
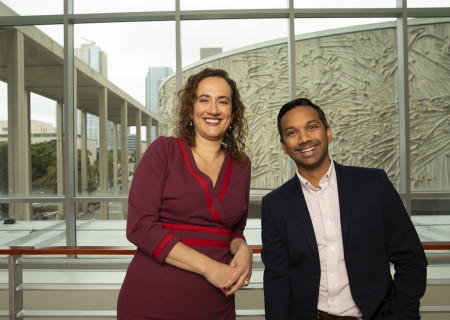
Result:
<point x="314" y="175"/>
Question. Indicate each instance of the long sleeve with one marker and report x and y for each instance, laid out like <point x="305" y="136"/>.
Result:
<point x="277" y="294"/>
<point x="144" y="228"/>
<point x="238" y="230"/>
<point x="405" y="252"/>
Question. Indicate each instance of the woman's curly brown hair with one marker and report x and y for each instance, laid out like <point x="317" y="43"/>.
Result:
<point x="235" y="136"/>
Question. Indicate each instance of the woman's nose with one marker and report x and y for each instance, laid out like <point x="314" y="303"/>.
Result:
<point x="213" y="108"/>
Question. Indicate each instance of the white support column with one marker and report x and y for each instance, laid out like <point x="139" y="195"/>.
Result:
<point x="291" y="51"/>
<point x="15" y="277"/>
<point x="19" y="144"/>
<point x="124" y="156"/>
<point x="103" y="148"/>
<point x="403" y="110"/>
<point x="138" y="136"/>
<point x="70" y="105"/>
<point x="156" y="123"/>
<point x="291" y="63"/>
<point x="115" y="166"/>
<point x="84" y="159"/>
<point x="178" y="61"/>
<point x="75" y="134"/>
<point x="149" y="131"/>
<point x="59" y="158"/>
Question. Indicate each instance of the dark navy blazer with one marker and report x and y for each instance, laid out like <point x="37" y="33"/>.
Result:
<point x="376" y="231"/>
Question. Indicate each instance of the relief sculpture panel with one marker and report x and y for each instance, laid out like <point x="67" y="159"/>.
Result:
<point x="353" y="77"/>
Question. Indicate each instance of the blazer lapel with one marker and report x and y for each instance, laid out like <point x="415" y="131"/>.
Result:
<point x="297" y="202"/>
<point x="345" y="190"/>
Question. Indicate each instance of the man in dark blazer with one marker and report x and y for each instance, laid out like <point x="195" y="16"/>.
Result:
<point x="330" y="233"/>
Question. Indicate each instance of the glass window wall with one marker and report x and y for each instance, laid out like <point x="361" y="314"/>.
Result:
<point x="232" y="4"/>
<point x="31" y="8"/>
<point x="126" y="74"/>
<point x="108" y="6"/>
<point x="351" y="73"/>
<point x="344" y="4"/>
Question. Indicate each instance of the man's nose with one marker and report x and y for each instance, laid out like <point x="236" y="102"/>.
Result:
<point x="303" y="137"/>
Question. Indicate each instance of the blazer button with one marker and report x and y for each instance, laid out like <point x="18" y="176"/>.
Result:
<point x="315" y="277"/>
<point x="310" y="314"/>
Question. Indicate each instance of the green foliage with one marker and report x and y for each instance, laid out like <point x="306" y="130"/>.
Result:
<point x="93" y="177"/>
<point x="43" y="166"/>
<point x="44" y="169"/>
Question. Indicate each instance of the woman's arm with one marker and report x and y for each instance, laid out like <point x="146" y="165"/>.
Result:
<point x="186" y="258"/>
<point x="242" y="264"/>
<point x="242" y="253"/>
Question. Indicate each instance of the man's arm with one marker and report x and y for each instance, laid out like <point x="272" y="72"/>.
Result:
<point x="405" y="252"/>
<point x="277" y="293"/>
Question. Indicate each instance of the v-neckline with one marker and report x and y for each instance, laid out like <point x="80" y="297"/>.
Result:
<point x="205" y="177"/>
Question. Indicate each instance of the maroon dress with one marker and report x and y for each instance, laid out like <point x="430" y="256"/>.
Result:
<point x="171" y="200"/>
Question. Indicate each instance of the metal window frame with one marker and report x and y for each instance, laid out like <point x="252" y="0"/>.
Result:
<point x="68" y="19"/>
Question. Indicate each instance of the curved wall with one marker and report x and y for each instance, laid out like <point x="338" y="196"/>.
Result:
<point x="352" y="75"/>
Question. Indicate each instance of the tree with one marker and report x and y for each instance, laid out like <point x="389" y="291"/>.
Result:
<point x="43" y="167"/>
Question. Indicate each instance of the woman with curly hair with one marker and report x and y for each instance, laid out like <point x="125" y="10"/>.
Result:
<point x="188" y="207"/>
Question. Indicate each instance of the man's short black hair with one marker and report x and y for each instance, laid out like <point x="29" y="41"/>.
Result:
<point x="299" y="102"/>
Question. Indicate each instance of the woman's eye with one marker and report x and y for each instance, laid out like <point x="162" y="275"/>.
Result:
<point x="223" y="102"/>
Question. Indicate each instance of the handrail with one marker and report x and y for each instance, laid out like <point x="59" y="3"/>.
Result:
<point x="123" y="250"/>
<point x="17" y="264"/>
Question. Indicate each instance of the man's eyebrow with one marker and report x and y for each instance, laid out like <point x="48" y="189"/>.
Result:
<point x="288" y="128"/>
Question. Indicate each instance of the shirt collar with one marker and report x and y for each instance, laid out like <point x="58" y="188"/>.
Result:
<point x="324" y="182"/>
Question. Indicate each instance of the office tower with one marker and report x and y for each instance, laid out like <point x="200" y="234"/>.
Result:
<point x="155" y="76"/>
<point x="93" y="56"/>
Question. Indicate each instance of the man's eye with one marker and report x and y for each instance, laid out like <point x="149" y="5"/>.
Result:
<point x="312" y="127"/>
<point x="290" y="133"/>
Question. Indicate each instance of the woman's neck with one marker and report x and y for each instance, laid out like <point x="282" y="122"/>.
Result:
<point x="208" y="149"/>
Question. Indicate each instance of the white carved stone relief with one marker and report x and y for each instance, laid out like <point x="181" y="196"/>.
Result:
<point x="353" y="77"/>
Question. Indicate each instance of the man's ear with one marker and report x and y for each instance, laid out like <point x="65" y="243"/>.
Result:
<point x="329" y="135"/>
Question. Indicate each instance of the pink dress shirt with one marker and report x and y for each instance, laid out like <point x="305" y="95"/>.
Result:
<point x="323" y="206"/>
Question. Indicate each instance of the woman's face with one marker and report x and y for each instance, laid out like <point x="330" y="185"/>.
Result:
<point x="212" y="112"/>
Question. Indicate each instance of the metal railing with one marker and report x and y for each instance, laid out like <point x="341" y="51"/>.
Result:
<point x="24" y="258"/>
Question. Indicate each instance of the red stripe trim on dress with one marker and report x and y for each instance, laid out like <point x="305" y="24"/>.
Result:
<point x="190" y="227"/>
<point x="205" y="243"/>
<point x="202" y="182"/>
<point x="226" y="181"/>
<point x="161" y="245"/>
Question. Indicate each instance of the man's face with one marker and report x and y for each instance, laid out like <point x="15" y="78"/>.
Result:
<point x="306" y="139"/>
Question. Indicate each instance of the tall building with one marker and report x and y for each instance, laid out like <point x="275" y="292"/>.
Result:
<point x="97" y="59"/>
<point x="93" y="56"/>
<point x="155" y="76"/>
